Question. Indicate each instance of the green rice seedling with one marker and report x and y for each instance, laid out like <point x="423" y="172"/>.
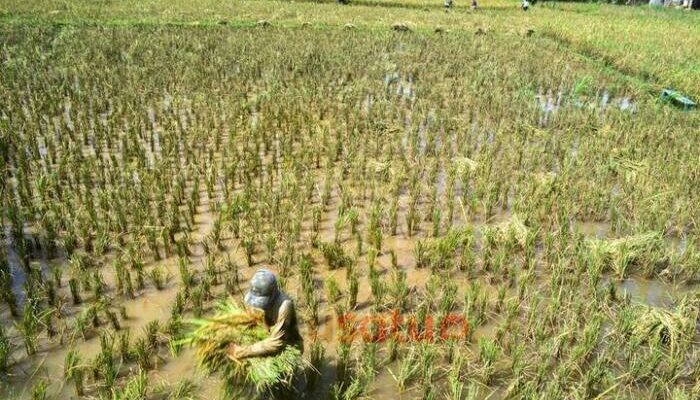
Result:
<point x="98" y="284"/>
<point x="124" y="346"/>
<point x="448" y="299"/>
<point x="394" y="216"/>
<point x="183" y="390"/>
<point x="211" y="270"/>
<point x="73" y="284"/>
<point x="316" y="361"/>
<point x="143" y="354"/>
<point x="398" y="289"/>
<point x="248" y="244"/>
<point x="488" y="354"/>
<point x="135" y="388"/>
<point x="152" y="333"/>
<point x="411" y="216"/>
<point x="455" y="380"/>
<point x="353" y="289"/>
<point x="367" y="364"/>
<point x="128" y="285"/>
<point x="108" y="369"/>
<point x="420" y="254"/>
<point x="29" y="326"/>
<point x="186" y="276"/>
<point x="359" y="245"/>
<point x="372" y="254"/>
<point x="378" y="288"/>
<point x="159" y="277"/>
<point x="5" y="351"/>
<point x="40" y="390"/>
<point x="57" y="274"/>
<point x="113" y="318"/>
<point x="436" y="219"/>
<point x="332" y="290"/>
<point x="343" y="363"/>
<point x="408" y="370"/>
<point x="392" y="349"/>
<point x="197" y="300"/>
<point x="73" y="371"/>
<point x="335" y="256"/>
<point x="394" y="259"/>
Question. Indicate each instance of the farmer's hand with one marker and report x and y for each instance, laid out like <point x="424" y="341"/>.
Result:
<point x="234" y="352"/>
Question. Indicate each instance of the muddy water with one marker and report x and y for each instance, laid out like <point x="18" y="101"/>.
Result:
<point x="654" y="292"/>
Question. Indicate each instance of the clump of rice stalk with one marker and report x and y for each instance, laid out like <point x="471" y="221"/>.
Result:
<point x="184" y="389"/>
<point x="332" y="289"/>
<point x="74" y="371"/>
<point x="619" y="254"/>
<point x="233" y="324"/>
<point x="488" y="353"/>
<point x="134" y="389"/>
<point x="659" y="326"/>
<point x="39" y="391"/>
<point x="5" y="351"/>
<point x="408" y="370"/>
<point x="335" y="255"/>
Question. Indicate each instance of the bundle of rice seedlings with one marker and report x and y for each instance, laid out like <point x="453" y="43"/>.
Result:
<point x="234" y="324"/>
<point x="620" y="253"/>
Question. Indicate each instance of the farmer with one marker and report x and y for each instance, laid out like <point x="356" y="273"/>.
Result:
<point x="279" y="317"/>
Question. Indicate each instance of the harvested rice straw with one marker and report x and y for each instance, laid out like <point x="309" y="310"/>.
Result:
<point x="234" y="324"/>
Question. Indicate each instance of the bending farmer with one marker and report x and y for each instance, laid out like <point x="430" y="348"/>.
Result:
<point x="280" y="317"/>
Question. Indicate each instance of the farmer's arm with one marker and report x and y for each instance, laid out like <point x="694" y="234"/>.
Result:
<point x="272" y="344"/>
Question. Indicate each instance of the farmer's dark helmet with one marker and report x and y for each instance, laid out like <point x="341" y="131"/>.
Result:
<point x="263" y="289"/>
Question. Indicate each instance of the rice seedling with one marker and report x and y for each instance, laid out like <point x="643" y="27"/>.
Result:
<point x="5" y="351"/>
<point x="136" y="387"/>
<point x="159" y="277"/>
<point x="332" y="290"/>
<point x="488" y="353"/>
<point x="185" y="389"/>
<point x="29" y="326"/>
<point x="335" y="256"/>
<point x="39" y="391"/>
<point x="408" y="370"/>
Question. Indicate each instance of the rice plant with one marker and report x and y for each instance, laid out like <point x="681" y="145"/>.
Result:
<point x="5" y="351"/>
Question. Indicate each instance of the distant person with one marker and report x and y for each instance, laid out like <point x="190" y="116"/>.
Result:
<point x="526" y="5"/>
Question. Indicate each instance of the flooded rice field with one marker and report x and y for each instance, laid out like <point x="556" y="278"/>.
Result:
<point x="481" y="244"/>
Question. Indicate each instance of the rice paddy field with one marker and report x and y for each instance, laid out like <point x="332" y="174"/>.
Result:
<point x="513" y="170"/>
